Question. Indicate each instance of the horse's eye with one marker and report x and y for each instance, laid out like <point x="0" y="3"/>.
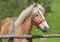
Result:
<point x="35" y="15"/>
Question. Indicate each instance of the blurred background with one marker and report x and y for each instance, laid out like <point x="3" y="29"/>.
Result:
<point x="13" y="8"/>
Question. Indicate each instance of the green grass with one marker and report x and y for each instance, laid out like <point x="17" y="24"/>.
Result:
<point x="53" y="19"/>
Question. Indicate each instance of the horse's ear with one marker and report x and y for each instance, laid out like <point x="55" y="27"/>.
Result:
<point x="35" y="4"/>
<point x="42" y="4"/>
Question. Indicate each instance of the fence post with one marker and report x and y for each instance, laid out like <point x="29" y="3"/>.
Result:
<point x="11" y="30"/>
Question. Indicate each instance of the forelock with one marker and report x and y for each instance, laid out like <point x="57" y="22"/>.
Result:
<point x="41" y="7"/>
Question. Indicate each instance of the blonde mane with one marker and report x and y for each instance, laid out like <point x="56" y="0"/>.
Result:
<point x="41" y="7"/>
<point x="23" y="15"/>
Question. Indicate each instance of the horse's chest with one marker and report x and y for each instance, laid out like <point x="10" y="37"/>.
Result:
<point x="24" y="40"/>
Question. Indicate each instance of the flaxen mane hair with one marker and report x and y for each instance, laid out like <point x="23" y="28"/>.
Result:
<point x="23" y="15"/>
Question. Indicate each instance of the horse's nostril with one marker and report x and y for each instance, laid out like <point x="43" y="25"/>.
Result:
<point x="45" y="28"/>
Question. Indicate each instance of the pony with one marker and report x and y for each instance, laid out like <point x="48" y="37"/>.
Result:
<point x="33" y="15"/>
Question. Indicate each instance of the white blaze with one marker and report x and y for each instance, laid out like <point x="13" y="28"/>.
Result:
<point x="44" y="23"/>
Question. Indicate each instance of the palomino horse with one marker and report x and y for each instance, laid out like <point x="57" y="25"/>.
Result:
<point x="34" y="14"/>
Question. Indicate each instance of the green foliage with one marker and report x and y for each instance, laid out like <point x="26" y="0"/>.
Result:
<point x="11" y="8"/>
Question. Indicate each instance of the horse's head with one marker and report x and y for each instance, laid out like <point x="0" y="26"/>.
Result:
<point x="38" y="17"/>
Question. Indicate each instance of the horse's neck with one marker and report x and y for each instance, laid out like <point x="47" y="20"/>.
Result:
<point x="23" y="15"/>
<point x="27" y="25"/>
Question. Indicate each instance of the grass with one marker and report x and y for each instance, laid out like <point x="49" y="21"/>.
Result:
<point x="53" y="19"/>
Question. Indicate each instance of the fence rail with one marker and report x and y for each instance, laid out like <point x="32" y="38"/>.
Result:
<point x="29" y="36"/>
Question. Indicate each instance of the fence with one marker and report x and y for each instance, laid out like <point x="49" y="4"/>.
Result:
<point x="11" y="35"/>
<point x="29" y="36"/>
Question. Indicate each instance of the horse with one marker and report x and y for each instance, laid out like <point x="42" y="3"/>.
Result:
<point x="33" y="15"/>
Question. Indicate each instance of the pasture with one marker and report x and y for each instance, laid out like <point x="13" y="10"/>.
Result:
<point x="53" y="19"/>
